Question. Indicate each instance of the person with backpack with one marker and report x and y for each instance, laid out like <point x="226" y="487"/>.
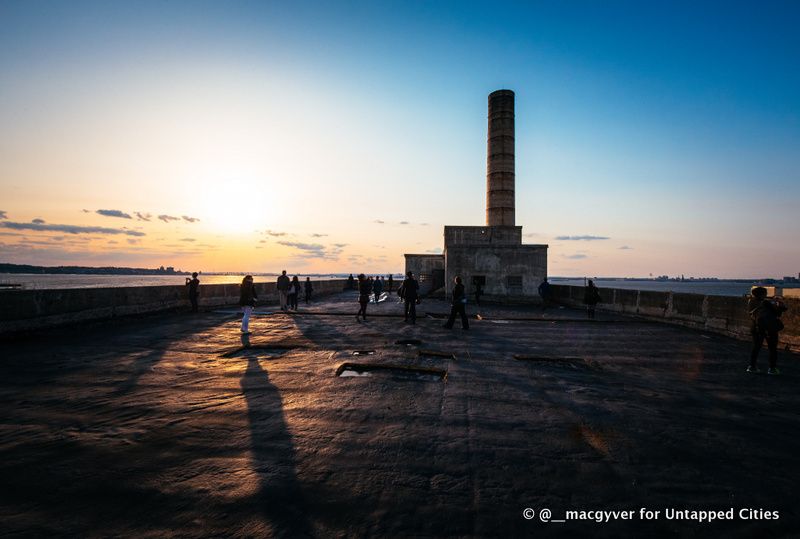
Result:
<point x="294" y="293"/>
<point x="591" y="297"/>
<point x="766" y="324"/>
<point x="247" y="300"/>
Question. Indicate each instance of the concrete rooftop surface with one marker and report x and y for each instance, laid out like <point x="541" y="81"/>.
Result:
<point x="176" y="425"/>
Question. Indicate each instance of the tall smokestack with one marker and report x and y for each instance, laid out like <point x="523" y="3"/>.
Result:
<point x="500" y="160"/>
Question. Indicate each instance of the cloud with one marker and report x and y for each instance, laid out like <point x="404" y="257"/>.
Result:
<point x="340" y="245"/>
<point x="3" y="215"/>
<point x="576" y="256"/>
<point x="378" y="221"/>
<point x="133" y="241"/>
<point x="318" y="235"/>
<point x="38" y="221"/>
<point x="114" y="213"/>
<point x="404" y="222"/>
<point x="143" y="216"/>
<point x="69" y="229"/>
<point x="435" y="251"/>
<point x="189" y="219"/>
<point x="274" y="234"/>
<point x="625" y="247"/>
<point x="168" y="218"/>
<point x="262" y="241"/>
<point x="425" y="224"/>
<point x="315" y="250"/>
<point x="582" y="238"/>
<point x="188" y="239"/>
<point x="85" y="211"/>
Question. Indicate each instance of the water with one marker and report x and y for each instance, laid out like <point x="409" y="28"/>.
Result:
<point x="706" y="288"/>
<point x="44" y="281"/>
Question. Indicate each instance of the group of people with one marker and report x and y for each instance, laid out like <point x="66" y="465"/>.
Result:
<point x="369" y="287"/>
<point x="289" y="291"/>
<point x="765" y="313"/>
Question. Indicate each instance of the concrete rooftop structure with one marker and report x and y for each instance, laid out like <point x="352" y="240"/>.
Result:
<point x="169" y="425"/>
<point x="492" y="256"/>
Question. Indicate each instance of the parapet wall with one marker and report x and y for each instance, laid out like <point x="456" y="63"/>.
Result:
<point x="718" y="314"/>
<point x="24" y="310"/>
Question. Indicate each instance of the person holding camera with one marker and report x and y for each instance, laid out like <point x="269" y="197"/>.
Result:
<point x="766" y="324"/>
<point x="193" y="285"/>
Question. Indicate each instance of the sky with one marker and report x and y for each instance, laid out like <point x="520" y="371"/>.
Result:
<point x="328" y="137"/>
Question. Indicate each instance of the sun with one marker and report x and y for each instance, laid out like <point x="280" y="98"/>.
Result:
<point x="236" y="207"/>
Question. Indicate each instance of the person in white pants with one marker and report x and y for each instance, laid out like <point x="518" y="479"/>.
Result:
<point x="247" y="300"/>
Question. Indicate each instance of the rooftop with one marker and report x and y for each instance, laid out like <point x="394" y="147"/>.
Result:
<point x="175" y="424"/>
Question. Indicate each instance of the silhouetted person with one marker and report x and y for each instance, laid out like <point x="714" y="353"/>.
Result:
<point x="351" y="283"/>
<point x="391" y="283"/>
<point x="194" y="290"/>
<point x="283" y="285"/>
<point x="459" y="306"/>
<point x="294" y="292"/>
<point x="545" y="292"/>
<point x="591" y="297"/>
<point x="309" y="289"/>
<point x="377" y="288"/>
<point x="363" y="296"/>
<point x="766" y="324"/>
<point x="247" y="300"/>
<point x="478" y="293"/>
<point x="409" y="291"/>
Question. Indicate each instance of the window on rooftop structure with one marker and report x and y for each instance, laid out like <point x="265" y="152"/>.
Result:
<point x="514" y="284"/>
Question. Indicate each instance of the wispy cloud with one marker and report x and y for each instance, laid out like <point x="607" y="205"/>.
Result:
<point x="340" y="245"/>
<point x="70" y="229"/>
<point x="404" y="222"/>
<point x="3" y="215"/>
<point x="316" y="250"/>
<point x="168" y="218"/>
<point x="114" y="213"/>
<point x="626" y="247"/>
<point x="380" y="222"/>
<point x="576" y="256"/>
<point x="189" y="219"/>
<point x="143" y="216"/>
<point x="434" y="251"/>
<point x="38" y="221"/>
<point x="188" y="239"/>
<point x="425" y="224"/>
<point x="274" y="234"/>
<point x="318" y="235"/>
<point x="582" y="238"/>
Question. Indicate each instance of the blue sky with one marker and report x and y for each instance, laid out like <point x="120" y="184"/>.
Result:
<point x="672" y="129"/>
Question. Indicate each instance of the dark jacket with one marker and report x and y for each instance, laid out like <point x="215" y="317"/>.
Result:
<point x="283" y="283"/>
<point x="247" y="294"/>
<point x="377" y="286"/>
<point x="409" y="289"/>
<point x="591" y="296"/>
<point x="459" y="294"/>
<point x="193" y="284"/>
<point x="309" y="287"/>
<point x="364" y="289"/>
<point x="766" y="314"/>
